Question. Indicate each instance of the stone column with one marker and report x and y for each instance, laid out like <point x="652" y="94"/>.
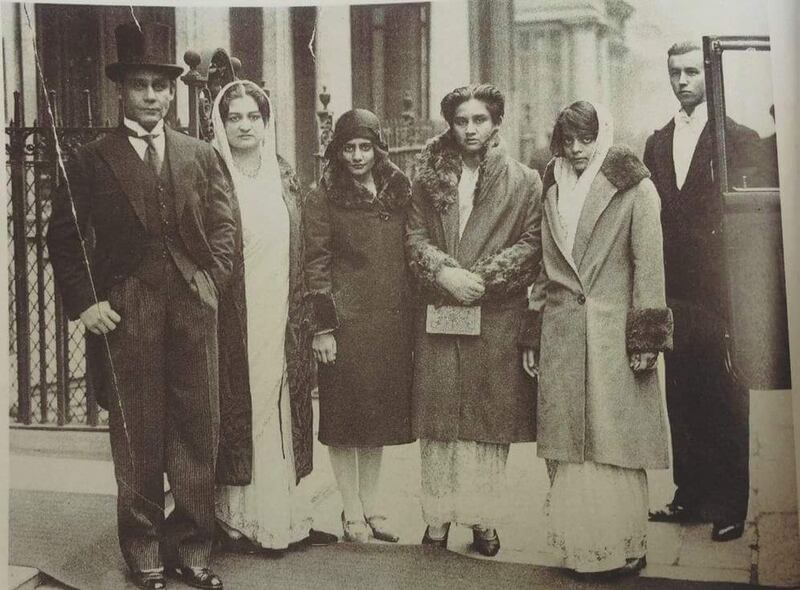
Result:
<point x="586" y="81"/>
<point x="332" y="49"/>
<point x="203" y="30"/>
<point x="604" y="65"/>
<point x="278" y="73"/>
<point x="449" y="50"/>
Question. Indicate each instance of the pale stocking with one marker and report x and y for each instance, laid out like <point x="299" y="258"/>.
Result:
<point x="369" y="470"/>
<point x="345" y="469"/>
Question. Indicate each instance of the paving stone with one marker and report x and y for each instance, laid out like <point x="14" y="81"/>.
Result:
<point x="699" y="574"/>
<point x="774" y="484"/>
<point x="22" y="578"/>
<point x="698" y="550"/>
<point x="664" y="543"/>
<point x="779" y="550"/>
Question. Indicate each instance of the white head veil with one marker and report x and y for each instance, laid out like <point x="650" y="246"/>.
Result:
<point x="269" y="174"/>
<point x="572" y="189"/>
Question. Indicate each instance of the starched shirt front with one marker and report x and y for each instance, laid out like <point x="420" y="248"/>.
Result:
<point x="684" y="140"/>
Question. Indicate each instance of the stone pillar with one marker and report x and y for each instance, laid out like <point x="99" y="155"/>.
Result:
<point x="203" y="30"/>
<point x="604" y="65"/>
<point x="492" y="58"/>
<point x="449" y="50"/>
<point x="332" y="49"/>
<point x="278" y="73"/>
<point x="586" y="81"/>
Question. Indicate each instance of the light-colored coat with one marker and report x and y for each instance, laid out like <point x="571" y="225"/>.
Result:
<point x="473" y="387"/>
<point x="597" y="306"/>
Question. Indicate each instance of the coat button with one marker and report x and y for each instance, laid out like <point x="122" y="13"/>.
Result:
<point x="581" y="299"/>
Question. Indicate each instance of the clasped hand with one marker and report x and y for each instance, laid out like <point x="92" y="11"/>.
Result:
<point x="462" y="284"/>
<point x="100" y="318"/>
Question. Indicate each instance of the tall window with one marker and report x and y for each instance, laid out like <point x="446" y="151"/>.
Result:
<point x="390" y="57"/>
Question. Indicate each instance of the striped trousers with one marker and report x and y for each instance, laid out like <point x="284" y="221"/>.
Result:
<point x="164" y="417"/>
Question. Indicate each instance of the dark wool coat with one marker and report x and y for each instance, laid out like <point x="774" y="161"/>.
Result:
<point x="358" y="285"/>
<point x="593" y="313"/>
<point x="473" y="387"/>
<point x="234" y="463"/>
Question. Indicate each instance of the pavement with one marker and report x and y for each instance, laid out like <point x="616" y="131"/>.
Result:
<point x="767" y="554"/>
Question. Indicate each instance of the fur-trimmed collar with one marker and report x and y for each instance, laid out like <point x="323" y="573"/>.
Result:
<point x="621" y="167"/>
<point x="394" y="188"/>
<point x="438" y="169"/>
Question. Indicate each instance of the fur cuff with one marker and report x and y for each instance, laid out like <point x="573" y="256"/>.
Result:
<point x="425" y="262"/>
<point x="323" y="312"/>
<point x="649" y="329"/>
<point x="507" y="273"/>
<point x="530" y="330"/>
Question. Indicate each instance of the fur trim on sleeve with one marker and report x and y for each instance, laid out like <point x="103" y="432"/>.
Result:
<point x="649" y="329"/>
<point x="508" y="272"/>
<point x="530" y="330"/>
<point x="425" y="261"/>
<point x="323" y="311"/>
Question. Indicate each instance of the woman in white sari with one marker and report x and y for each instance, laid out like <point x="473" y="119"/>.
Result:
<point x="265" y="365"/>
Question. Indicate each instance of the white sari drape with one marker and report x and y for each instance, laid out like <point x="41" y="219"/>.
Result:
<point x="272" y="511"/>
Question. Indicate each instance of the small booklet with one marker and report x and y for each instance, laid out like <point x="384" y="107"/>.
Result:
<point x="453" y="319"/>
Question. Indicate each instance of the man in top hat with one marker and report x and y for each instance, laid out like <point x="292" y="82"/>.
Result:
<point x="160" y="206"/>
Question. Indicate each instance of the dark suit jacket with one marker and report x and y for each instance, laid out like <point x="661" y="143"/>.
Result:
<point x="691" y="220"/>
<point x="104" y="182"/>
<point x="108" y="196"/>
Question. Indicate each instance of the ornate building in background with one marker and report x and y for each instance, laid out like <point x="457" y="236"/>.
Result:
<point x="565" y="50"/>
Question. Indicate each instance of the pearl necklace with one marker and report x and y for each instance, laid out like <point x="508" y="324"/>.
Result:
<point x="249" y="172"/>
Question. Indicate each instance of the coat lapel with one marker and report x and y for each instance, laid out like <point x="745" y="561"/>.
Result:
<point x="664" y="154"/>
<point x="450" y="227"/>
<point x="128" y="169"/>
<point x="551" y="210"/>
<point x="487" y="195"/>
<point x="599" y="196"/>
<point x="294" y="228"/>
<point x="181" y="162"/>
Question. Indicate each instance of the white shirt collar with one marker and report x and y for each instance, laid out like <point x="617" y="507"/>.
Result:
<point x="140" y="131"/>
<point x="699" y="116"/>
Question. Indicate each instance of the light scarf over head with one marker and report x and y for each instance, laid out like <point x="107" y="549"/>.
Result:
<point x="269" y="174"/>
<point x="572" y="189"/>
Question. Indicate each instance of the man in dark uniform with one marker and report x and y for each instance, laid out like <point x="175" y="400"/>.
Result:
<point x="159" y="204"/>
<point x="708" y="409"/>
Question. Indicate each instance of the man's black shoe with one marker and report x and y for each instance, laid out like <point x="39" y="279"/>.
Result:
<point x="727" y="531"/>
<point x="673" y="512"/>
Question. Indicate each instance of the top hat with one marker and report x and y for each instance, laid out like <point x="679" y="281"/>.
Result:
<point x="147" y="46"/>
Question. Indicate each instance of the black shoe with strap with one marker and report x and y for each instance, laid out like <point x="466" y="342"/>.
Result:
<point x="441" y="543"/>
<point x="485" y="546"/>
<point x="149" y="580"/>
<point x="202" y="577"/>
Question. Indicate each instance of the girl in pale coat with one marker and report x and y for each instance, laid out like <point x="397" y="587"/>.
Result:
<point x="599" y="319"/>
